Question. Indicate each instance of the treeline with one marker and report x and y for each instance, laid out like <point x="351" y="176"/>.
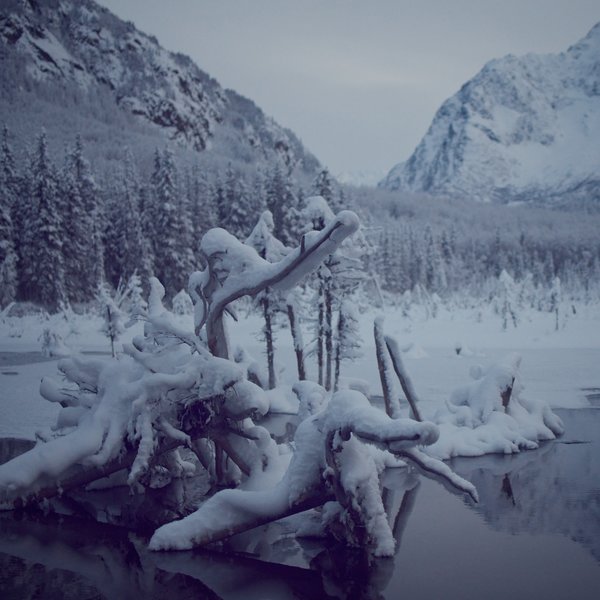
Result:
<point x="63" y="234"/>
<point x="65" y="229"/>
<point x="459" y="247"/>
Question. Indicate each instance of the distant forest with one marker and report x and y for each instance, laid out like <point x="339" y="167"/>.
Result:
<point x="65" y="228"/>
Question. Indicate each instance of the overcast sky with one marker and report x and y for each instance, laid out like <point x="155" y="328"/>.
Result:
<point x="358" y="81"/>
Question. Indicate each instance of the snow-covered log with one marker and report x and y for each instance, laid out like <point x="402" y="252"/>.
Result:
<point x="333" y="459"/>
<point x="405" y="381"/>
<point x="392" y="405"/>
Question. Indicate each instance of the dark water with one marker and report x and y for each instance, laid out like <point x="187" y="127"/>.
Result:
<point x="535" y="534"/>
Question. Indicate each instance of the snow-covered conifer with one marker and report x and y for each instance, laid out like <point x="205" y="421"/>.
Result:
<point x="271" y="249"/>
<point x="172" y="242"/>
<point x="79" y="203"/>
<point x="8" y="255"/>
<point x="283" y="204"/>
<point x="42" y="264"/>
<point x="507" y="300"/>
<point x="348" y="341"/>
<point x="554" y="301"/>
<point x="237" y="199"/>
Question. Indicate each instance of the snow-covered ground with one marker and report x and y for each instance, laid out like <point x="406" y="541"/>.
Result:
<point x="557" y="366"/>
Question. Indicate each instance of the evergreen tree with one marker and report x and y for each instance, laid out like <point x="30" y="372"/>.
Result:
<point x="237" y="199"/>
<point x="348" y="340"/>
<point x="271" y="249"/>
<point x="129" y="250"/>
<point x="202" y="212"/>
<point x="8" y="255"/>
<point x="42" y="268"/>
<point x="323" y="186"/>
<point x="283" y="204"/>
<point x="79" y="208"/>
<point x="172" y="241"/>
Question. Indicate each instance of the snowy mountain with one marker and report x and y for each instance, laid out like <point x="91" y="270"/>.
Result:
<point x="524" y="128"/>
<point x="71" y="65"/>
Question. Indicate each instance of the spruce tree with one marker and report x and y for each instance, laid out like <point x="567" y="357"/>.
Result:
<point x="79" y="209"/>
<point x="43" y="276"/>
<point x="8" y="255"/>
<point x="128" y="250"/>
<point x="172" y="241"/>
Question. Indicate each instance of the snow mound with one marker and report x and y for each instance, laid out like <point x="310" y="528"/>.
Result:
<point x="489" y="415"/>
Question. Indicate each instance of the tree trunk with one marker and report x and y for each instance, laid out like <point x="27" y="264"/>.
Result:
<point x="269" y="339"/>
<point x="321" y="333"/>
<point x="405" y="381"/>
<point x="328" y="336"/>
<point x="338" y="351"/>
<point x="392" y="406"/>
<point x="297" y="339"/>
<point x="217" y="340"/>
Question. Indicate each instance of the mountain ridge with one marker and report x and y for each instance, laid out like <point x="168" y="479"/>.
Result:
<point x="89" y="51"/>
<point x="523" y="128"/>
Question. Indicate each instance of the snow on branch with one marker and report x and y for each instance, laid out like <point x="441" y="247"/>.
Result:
<point x="235" y="270"/>
<point x="333" y="460"/>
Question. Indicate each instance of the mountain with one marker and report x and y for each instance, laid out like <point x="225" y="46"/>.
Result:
<point x="524" y="128"/>
<point x="72" y="66"/>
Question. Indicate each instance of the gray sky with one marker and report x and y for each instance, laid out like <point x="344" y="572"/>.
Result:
<point x="357" y="81"/>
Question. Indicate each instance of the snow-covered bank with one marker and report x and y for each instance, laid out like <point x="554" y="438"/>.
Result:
<point x="557" y="366"/>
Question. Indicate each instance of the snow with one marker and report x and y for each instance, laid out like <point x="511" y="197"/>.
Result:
<point x="468" y="421"/>
<point x="522" y="127"/>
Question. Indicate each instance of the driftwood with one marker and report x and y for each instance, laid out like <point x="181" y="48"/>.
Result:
<point x="506" y="394"/>
<point x="392" y="407"/>
<point x="299" y="351"/>
<point x="405" y="381"/>
<point x="79" y="476"/>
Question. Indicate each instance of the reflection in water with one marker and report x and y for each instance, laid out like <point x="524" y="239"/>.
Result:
<point x="57" y="557"/>
<point x="553" y="490"/>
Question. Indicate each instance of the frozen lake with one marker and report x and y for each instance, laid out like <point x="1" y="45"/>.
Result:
<point x="535" y="534"/>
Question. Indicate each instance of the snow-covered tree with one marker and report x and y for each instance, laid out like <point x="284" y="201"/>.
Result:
<point x="271" y="249"/>
<point x="347" y="341"/>
<point x="79" y="202"/>
<point x="172" y="229"/>
<point x="8" y="254"/>
<point x="338" y="276"/>
<point x="237" y="199"/>
<point x="42" y="263"/>
<point x="133" y="253"/>
<point x="507" y="300"/>
<point x="112" y="315"/>
<point x="283" y="204"/>
<point x="554" y="301"/>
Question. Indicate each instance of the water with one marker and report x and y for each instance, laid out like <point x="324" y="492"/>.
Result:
<point x="535" y="534"/>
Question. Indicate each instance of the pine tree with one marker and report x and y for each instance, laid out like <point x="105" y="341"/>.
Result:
<point x="8" y="255"/>
<point x="283" y="204"/>
<point x="348" y="341"/>
<point x="202" y="211"/>
<point x="237" y="200"/>
<point x="43" y="276"/>
<point x="172" y="229"/>
<point x="128" y="250"/>
<point x="272" y="250"/>
<point x="79" y="208"/>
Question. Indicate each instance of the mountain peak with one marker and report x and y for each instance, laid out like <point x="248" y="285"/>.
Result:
<point x="524" y="128"/>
